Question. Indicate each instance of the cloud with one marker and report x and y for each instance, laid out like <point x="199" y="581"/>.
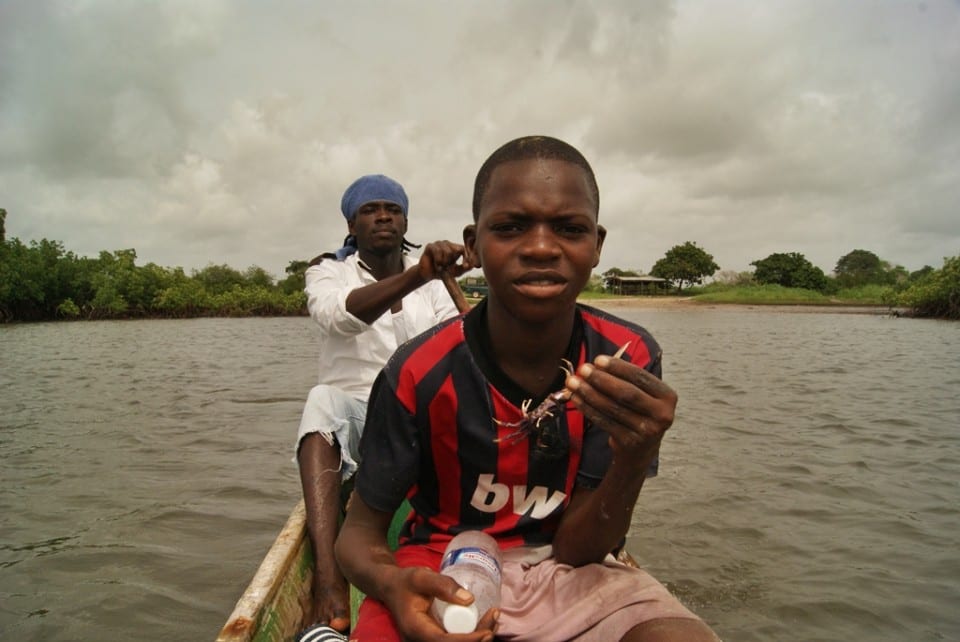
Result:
<point x="225" y="132"/>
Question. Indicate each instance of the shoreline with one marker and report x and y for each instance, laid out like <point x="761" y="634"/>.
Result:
<point x="611" y="303"/>
<point x="689" y="303"/>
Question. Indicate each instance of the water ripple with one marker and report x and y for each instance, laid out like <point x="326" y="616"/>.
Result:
<point x="809" y="489"/>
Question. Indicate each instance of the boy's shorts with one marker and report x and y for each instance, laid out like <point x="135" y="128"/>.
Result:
<point x="546" y="601"/>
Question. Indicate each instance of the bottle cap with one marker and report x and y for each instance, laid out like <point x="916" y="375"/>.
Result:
<point x="460" y="619"/>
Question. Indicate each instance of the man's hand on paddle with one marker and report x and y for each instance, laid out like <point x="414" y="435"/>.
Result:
<point x="632" y="405"/>
<point x="442" y="256"/>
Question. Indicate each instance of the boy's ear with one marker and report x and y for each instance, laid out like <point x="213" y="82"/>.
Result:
<point x="469" y="245"/>
<point x="601" y="235"/>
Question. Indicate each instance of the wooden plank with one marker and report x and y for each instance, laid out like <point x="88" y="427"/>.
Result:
<point x="272" y="607"/>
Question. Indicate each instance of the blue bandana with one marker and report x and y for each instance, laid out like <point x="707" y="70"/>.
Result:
<point x="349" y="247"/>
<point x="373" y="187"/>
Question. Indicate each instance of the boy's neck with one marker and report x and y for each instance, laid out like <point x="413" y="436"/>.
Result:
<point x="530" y="353"/>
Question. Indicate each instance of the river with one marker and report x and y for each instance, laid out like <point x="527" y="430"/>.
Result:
<point x="809" y="489"/>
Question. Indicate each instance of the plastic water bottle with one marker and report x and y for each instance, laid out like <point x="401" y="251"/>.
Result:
<point x="473" y="559"/>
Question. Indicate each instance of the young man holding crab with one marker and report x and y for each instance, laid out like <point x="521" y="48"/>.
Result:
<point x="446" y="429"/>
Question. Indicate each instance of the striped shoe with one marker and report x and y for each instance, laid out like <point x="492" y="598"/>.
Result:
<point x="321" y="633"/>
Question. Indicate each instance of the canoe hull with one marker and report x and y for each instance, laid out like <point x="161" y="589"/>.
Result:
<point x="272" y="607"/>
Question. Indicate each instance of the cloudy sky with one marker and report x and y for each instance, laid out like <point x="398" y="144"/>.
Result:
<point x="211" y="132"/>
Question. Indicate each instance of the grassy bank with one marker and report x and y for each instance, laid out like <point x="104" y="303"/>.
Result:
<point x="779" y="295"/>
<point x="752" y="295"/>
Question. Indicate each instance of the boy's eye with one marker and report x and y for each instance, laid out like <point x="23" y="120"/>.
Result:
<point x="506" y="228"/>
<point x="572" y="230"/>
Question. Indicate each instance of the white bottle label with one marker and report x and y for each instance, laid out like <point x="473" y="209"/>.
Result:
<point x="473" y="556"/>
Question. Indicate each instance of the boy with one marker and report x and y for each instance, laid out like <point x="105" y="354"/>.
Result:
<point x="445" y="429"/>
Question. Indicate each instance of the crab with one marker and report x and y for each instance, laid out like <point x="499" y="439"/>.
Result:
<point x="555" y="404"/>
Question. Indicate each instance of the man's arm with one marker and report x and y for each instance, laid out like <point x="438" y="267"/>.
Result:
<point x="370" y="301"/>
<point x="635" y="408"/>
<point x="327" y="284"/>
<point x="367" y="303"/>
<point x="368" y="563"/>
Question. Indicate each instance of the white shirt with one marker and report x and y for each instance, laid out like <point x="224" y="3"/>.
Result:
<point x="352" y="352"/>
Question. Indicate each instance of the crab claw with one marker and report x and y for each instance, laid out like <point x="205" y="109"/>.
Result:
<point x="623" y="348"/>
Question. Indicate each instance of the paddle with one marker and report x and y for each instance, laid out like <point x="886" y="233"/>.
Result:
<point x="456" y="293"/>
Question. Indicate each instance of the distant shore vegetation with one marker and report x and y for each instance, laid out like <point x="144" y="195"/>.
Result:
<point x="43" y="281"/>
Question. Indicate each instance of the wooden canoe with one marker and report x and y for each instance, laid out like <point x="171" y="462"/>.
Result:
<point x="272" y="607"/>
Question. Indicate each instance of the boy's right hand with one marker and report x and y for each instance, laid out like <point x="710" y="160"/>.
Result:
<point x="633" y="406"/>
<point x="410" y="596"/>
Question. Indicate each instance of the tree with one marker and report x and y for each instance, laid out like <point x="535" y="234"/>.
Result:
<point x="296" y="280"/>
<point x="791" y="270"/>
<point x="595" y="284"/>
<point x="921" y="273"/>
<point x="896" y="275"/>
<point x="937" y="293"/>
<point x="615" y="271"/>
<point x="21" y="291"/>
<point x="31" y="285"/>
<point x="115" y="283"/>
<point x="184" y="297"/>
<point x="685" y="264"/>
<point x="3" y="225"/>
<point x="256" y="276"/>
<point x="297" y="266"/>
<point x="44" y="281"/>
<point x="859" y="268"/>
<point x="217" y="279"/>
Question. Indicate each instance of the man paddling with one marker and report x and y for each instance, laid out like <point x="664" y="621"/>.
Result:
<point x="367" y="298"/>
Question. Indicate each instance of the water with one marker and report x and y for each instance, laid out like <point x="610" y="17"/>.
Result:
<point x="808" y="489"/>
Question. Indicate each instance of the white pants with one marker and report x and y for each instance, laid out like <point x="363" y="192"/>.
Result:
<point x="335" y="415"/>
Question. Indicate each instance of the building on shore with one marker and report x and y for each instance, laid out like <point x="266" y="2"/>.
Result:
<point x="635" y="285"/>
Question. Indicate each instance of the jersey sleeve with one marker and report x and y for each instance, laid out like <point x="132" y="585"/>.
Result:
<point x="389" y="449"/>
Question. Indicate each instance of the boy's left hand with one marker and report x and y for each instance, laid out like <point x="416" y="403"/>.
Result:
<point x="632" y="405"/>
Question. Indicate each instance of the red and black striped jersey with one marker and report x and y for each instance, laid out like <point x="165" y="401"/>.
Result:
<point x="431" y="435"/>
